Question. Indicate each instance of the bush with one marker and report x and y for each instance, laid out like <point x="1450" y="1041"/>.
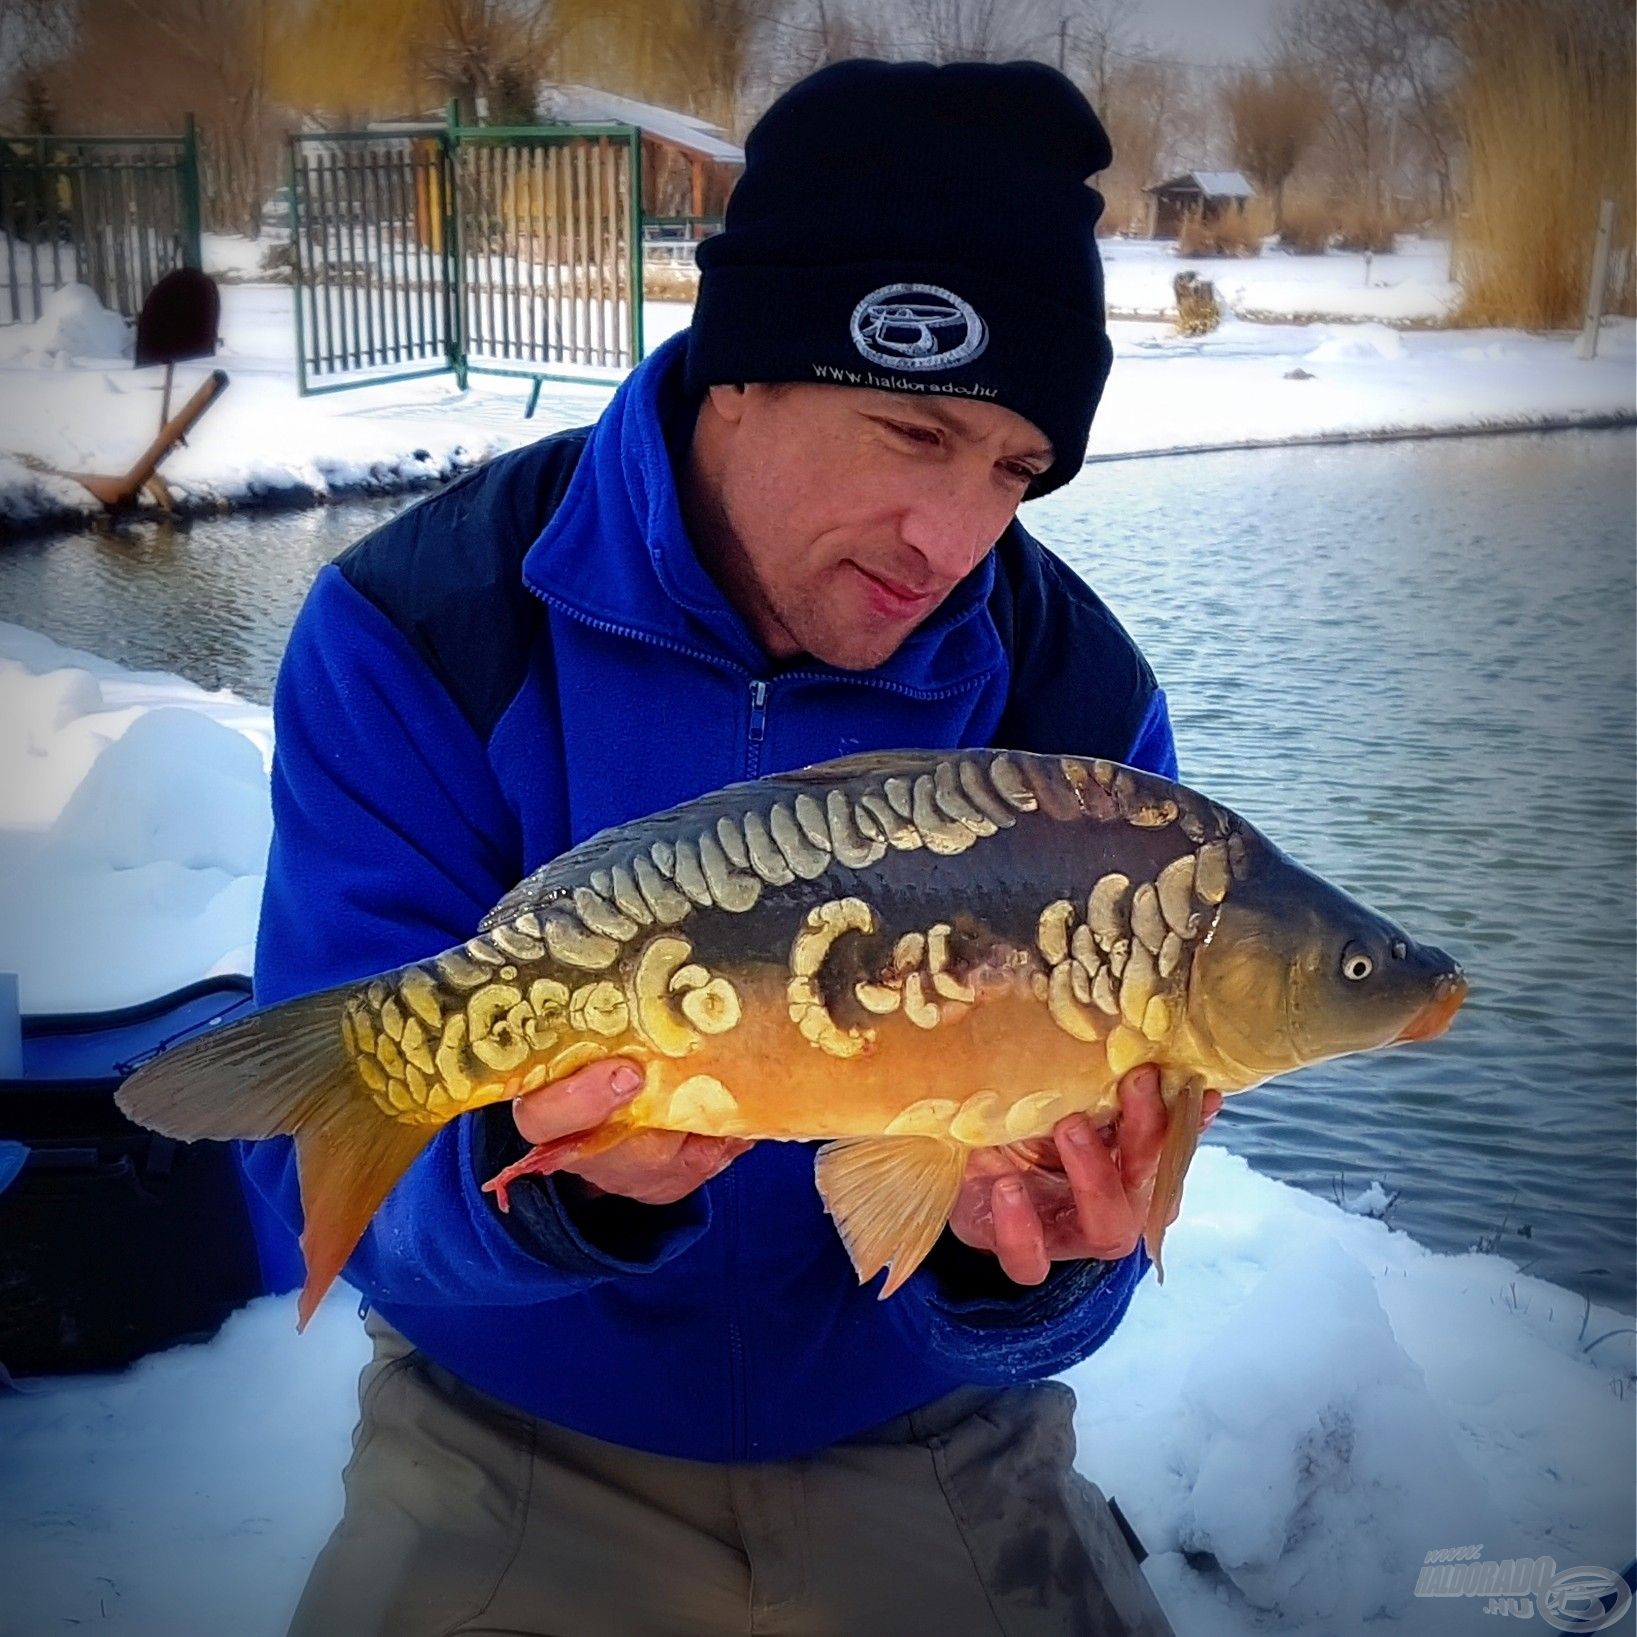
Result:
<point x="1198" y="311"/>
<point x="1230" y="234"/>
<point x="1307" y="229"/>
<point x="1364" y="227"/>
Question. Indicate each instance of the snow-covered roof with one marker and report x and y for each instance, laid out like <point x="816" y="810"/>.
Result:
<point x="587" y="105"/>
<point x="1214" y="184"/>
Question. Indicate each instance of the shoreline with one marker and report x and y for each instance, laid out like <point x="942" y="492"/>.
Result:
<point x="192" y="508"/>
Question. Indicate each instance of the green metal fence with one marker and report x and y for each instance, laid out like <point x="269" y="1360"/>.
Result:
<point x="114" y="212"/>
<point x="513" y="250"/>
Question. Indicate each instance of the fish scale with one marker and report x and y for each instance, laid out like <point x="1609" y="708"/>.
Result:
<point x="907" y="955"/>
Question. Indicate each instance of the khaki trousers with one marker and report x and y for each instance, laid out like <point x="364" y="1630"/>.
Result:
<point x="466" y="1516"/>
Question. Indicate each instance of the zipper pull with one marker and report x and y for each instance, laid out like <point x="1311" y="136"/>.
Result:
<point x="758" y="712"/>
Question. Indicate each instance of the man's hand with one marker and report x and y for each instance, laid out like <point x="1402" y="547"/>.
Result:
<point x="656" y="1167"/>
<point x="1083" y="1191"/>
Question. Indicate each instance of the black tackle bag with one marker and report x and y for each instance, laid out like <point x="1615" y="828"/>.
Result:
<point x="114" y="1241"/>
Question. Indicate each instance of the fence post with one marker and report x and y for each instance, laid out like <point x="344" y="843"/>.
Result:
<point x="298" y="269"/>
<point x="454" y="260"/>
<point x="639" y="260"/>
<point x="192" y="249"/>
<point x="1597" y="290"/>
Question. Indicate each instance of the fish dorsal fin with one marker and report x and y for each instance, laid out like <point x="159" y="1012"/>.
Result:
<point x="868" y="764"/>
<point x="890" y="1197"/>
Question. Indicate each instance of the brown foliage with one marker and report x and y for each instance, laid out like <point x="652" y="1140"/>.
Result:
<point x="1230" y="234"/>
<point x="1547" y="110"/>
<point x="1273" y="118"/>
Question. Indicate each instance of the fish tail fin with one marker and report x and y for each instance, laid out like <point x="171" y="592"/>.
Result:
<point x="284" y="1072"/>
<point x="1176" y="1155"/>
<point x="890" y="1197"/>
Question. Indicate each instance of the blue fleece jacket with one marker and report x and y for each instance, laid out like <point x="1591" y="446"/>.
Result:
<point x="408" y="797"/>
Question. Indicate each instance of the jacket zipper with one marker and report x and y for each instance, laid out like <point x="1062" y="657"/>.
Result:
<point x="758" y="728"/>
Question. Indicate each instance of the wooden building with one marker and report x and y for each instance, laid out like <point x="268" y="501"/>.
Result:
<point x="1205" y="194"/>
<point x="688" y="165"/>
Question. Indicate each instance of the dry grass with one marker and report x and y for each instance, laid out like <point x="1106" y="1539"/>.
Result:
<point x="1360" y="226"/>
<point x="1198" y="310"/>
<point x="1229" y="234"/>
<point x="1547" y="114"/>
<point x="1309" y="226"/>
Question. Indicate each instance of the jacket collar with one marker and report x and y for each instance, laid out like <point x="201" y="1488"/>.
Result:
<point x="616" y="553"/>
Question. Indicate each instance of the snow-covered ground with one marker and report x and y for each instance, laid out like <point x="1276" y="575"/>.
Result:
<point x="1410" y="286"/>
<point x="1310" y="1405"/>
<point x="63" y="408"/>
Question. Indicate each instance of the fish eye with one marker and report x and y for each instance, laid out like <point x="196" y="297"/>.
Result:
<point x="1356" y="963"/>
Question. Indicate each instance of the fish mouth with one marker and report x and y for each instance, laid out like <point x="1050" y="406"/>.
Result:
<point x="1435" y="1017"/>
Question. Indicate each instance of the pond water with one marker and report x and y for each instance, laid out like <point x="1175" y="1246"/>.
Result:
<point x="1411" y="664"/>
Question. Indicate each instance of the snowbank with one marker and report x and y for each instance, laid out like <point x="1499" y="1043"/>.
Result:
<point x="73" y="323"/>
<point x="1310" y="1405"/>
<point x="134" y="825"/>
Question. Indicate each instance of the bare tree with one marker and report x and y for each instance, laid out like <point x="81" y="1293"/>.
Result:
<point x="140" y="65"/>
<point x="1094" y="36"/>
<point x="34" y="34"/>
<point x="485" y="54"/>
<point x="1357" y="49"/>
<point x="946" y="31"/>
<point x="1273" y="117"/>
<point x="1141" y="110"/>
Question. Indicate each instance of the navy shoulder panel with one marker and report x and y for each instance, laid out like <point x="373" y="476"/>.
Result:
<point x="447" y="572"/>
<point x="1079" y="682"/>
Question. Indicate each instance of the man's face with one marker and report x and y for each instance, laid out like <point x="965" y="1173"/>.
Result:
<point x="840" y="517"/>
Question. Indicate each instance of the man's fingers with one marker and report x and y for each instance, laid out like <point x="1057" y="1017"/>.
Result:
<point x="1020" y="1241"/>
<point x="1107" y="1220"/>
<point x="1141" y="1129"/>
<point x="577" y="1102"/>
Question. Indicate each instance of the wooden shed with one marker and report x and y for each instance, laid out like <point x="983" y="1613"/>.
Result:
<point x="1205" y="194"/>
<point x="688" y="165"/>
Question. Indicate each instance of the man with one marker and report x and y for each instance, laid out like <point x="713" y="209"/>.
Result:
<point x="653" y="1398"/>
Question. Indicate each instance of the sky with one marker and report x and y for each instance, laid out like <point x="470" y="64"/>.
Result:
<point x="1205" y="30"/>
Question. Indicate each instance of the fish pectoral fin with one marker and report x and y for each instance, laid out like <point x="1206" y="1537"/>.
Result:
<point x="890" y="1197"/>
<point x="546" y="1158"/>
<point x="1176" y="1155"/>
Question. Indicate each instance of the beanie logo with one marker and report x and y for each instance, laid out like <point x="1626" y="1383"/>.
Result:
<point x="917" y="326"/>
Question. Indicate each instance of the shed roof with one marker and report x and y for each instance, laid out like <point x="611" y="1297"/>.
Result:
<point x="588" y="105"/>
<point x="1213" y="184"/>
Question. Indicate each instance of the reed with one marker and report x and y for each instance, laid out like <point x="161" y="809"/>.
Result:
<point x="1307" y="227"/>
<point x="1546" y="109"/>
<point x="1229" y="234"/>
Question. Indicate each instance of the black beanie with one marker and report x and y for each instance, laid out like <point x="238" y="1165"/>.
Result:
<point x="918" y="229"/>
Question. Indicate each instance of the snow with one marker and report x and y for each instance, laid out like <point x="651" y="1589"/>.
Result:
<point x="1309" y="1405"/>
<point x="132" y="805"/>
<point x="1410" y="286"/>
<point x="72" y="324"/>
<point x="263" y="444"/>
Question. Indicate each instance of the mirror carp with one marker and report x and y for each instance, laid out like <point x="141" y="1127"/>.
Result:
<point x="904" y="956"/>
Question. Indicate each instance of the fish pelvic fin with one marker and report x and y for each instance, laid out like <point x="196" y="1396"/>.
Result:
<point x="1176" y="1155"/>
<point x="890" y="1197"/>
<point x="284" y="1072"/>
